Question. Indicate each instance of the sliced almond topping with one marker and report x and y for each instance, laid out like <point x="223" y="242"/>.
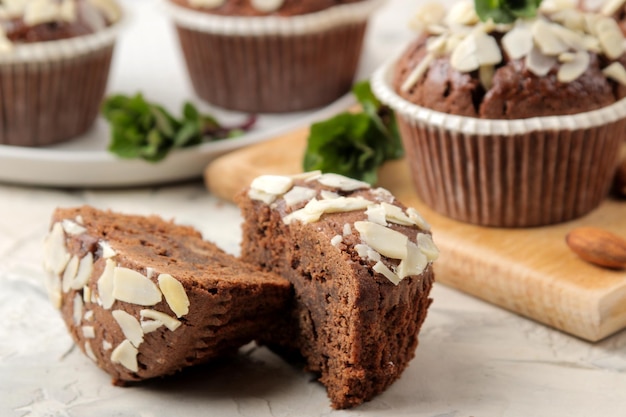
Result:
<point x="427" y="246"/>
<point x="88" y="316"/>
<point x="272" y="184"/>
<point x="336" y="240"/>
<point x="573" y="69"/>
<point x="367" y="253"/>
<point x="485" y="74"/>
<point x="85" y="268"/>
<point x="70" y="273"/>
<point x="518" y="42"/>
<point x="427" y="14"/>
<point x="105" y="284"/>
<point x="610" y="37"/>
<point x="315" y="208"/>
<point x="610" y="7"/>
<point x="616" y="72"/>
<point x="591" y="44"/>
<point x="55" y="293"/>
<point x="56" y="255"/>
<point x="174" y="294"/>
<point x="418" y="72"/>
<point x="106" y="345"/>
<point x="546" y="39"/>
<point x="89" y="332"/>
<point x="126" y="355"/>
<point x="487" y="49"/>
<point x="464" y="57"/>
<point x="381" y="268"/>
<point x="385" y="241"/>
<point x="538" y="63"/>
<point x="437" y="44"/>
<point x="570" y="18"/>
<point x="135" y="288"/>
<point x="328" y="195"/>
<point x="298" y="195"/>
<point x="130" y="326"/>
<point x="462" y="13"/>
<point x="394" y="214"/>
<point x="89" y="352"/>
<point x="571" y="38"/>
<point x="347" y="230"/>
<point x="376" y="214"/>
<point x="149" y="326"/>
<point x="87" y="294"/>
<point x="77" y="309"/>
<point x="107" y="250"/>
<point x="267" y="5"/>
<point x="417" y="219"/>
<point x="414" y="264"/>
<point x="567" y="57"/>
<point x="170" y="322"/>
<point x="72" y="228"/>
<point x="341" y="182"/>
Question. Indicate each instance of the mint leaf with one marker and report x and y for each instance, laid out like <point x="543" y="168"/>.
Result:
<point x="506" y="11"/>
<point x="141" y="129"/>
<point x="355" y="144"/>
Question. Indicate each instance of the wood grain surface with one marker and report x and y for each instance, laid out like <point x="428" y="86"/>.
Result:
<point x="529" y="271"/>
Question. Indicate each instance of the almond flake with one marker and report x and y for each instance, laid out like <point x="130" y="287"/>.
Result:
<point x="261" y="196"/>
<point x="89" y="332"/>
<point x="341" y="182"/>
<point x="546" y="39"/>
<point x="87" y="294"/>
<point x="106" y="345"/>
<point x="485" y="74"/>
<point x="571" y="38"/>
<point x="487" y="49"/>
<point x="573" y="69"/>
<point x="72" y="228"/>
<point x="267" y="6"/>
<point x="347" y="230"/>
<point x="126" y="355"/>
<point x="85" y="268"/>
<point x="107" y="250"/>
<point x="149" y="326"/>
<point x="381" y="268"/>
<point x="174" y="294"/>
<point x="105" y="284"/>
<point x="56" y="255"/>
<point x="437" y="44"/>
<point x="616" y="72"/>
<point x="418" y="72"/>
<point x="610" y="7"/>
<point x="427" y="14"/>
<point x="385" y="241"/>
<point x="538" y="63"/>
<point x="272" y="184"/>
<point x="610" y="37"/>
<point x="130" y="326"/>
<point x="328" y="195"/>
<point x="89" y="352"/>
<point x="376" y="214"/>
<point x="427" y="246"/>
<point x="55" y="294"/>
<point x="336" y="240"/>
<point x="463" y="58"/>
<point x="298" y="195"/>
<point x="316" y="208"/>
<point x="395" y="214"/>
<point x="462" y="13"/>
<point x="70" y="273"/>
<point x="77" y="309"/>
<point x="570" y="18"/>
<point x="414" y="264"/>
<point x="518" y="42"/>
<point x="135" y="288"/>
<point x="170" y="322"/>
<point x="417" y="219"/>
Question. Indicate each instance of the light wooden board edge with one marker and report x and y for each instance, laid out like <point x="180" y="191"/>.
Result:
<point x="587" y="302"/>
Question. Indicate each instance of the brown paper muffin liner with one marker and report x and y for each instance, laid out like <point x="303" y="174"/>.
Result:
<point x="271" y="64"/>
<point x="51" y="92"/>
<point x="519" y="173"/>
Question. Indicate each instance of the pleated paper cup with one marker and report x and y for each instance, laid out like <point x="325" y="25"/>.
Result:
<point x="272" y="64"/>
<point x="508" y="173"/>
<point x="50" y="92"/>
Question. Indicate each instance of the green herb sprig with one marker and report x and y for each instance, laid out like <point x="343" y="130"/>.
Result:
<point x="141" y="129"/>
<point x="355" y="144"/>
<point x="506" y="11"/>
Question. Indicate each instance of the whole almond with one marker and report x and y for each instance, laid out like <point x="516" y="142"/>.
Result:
<point x="598" y="246"/>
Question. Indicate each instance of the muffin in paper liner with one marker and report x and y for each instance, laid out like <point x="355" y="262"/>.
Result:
<point x="508" y="173"/>
<point x="272" y="64"/>
<point x="51" y="91"/>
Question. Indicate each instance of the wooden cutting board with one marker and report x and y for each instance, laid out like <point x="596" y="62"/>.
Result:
<point x="528" y="271"/>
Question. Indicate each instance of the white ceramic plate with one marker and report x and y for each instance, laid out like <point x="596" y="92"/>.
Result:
<point x="148" y="59"/>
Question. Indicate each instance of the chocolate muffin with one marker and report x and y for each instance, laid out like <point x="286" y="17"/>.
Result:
<point x="360" y="265"/>
<point x="271" y="56"/>
<point x="511" y="125"/>
<point x="54" y="64"/>
<point x="143" y="297"/>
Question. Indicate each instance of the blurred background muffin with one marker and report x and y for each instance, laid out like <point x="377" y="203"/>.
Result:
<point x="54" y="64"/>
<point x="515" y="125"/>
<point x="266" y="56"/>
